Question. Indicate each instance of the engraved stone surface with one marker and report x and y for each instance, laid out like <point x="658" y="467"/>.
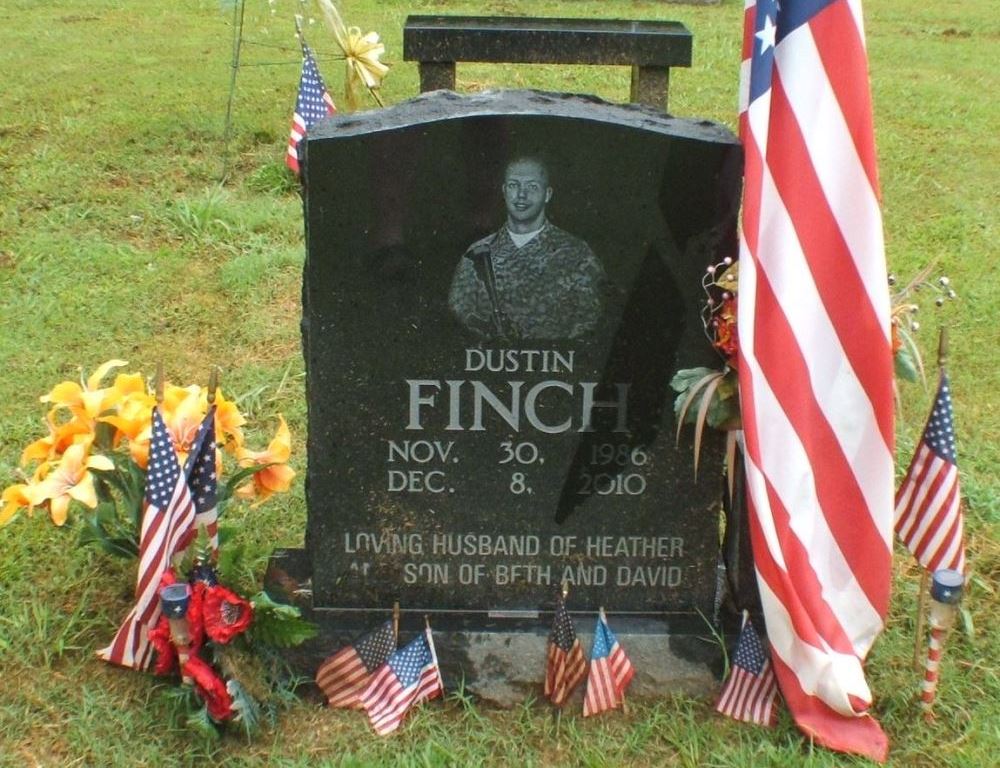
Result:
<point x="498" y="290"/>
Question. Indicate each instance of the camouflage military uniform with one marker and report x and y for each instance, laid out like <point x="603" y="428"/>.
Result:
<point x="549" y="288"/>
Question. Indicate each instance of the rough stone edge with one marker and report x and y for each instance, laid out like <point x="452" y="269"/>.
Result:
<point x="435" y="106"/>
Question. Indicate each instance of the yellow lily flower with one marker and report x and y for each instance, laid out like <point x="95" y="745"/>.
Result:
<point x="15" y="497"/>
<point x="228" y="422"/>
<point x="361" y="53"/>
<point x="69" y="480"/>
<point x="86" y="399"/>
<point x="131" y="416"/>
<point x="184" y="409"/>
<point x="61" y="436"/>
<point x="273" y="479"/>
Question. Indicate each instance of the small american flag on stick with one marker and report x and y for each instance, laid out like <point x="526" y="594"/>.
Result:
<point x="749" y="693"/>
<point x="928" y="513"/>
<point x="167" y="521"/>
<point x="610" y="671"/>
<point x="409" y="676"/>
<point x="313" y="104"/>
<point x="565" y="666"/>
<point x="344" y="676"/>
<point x="203" y="480"/>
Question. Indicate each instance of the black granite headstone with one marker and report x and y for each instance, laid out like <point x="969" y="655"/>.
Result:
<point x="489" y="417"/>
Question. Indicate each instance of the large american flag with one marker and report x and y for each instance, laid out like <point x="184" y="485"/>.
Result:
<point x="816" y="366"/>
<point x="409" y="676"/>
<point x="610" y="671"/>
<point x="344" y="676"/>
<point x="928" y="512"/>
<point x="751" y="688"/>
<point x="565" y="666"/>
<point x="167" y="521"/>
<point x="313" y="104"/>
<point x="203" y="480"/>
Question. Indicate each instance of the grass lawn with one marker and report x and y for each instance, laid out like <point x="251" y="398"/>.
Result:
<point x="116" y="240"/>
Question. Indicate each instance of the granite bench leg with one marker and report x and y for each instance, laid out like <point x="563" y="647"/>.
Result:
<point x="649" y="86"/>
<point x="437" y="75"/>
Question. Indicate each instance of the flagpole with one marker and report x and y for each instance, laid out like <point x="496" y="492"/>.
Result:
<point x="564" y="591"/>
<point x="158" y="384"/>
<point x="213" y="385"/>
<point x="395" y="621"/>
<point x="925" y="577"/>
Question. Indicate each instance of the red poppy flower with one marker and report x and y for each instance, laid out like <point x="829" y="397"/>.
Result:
<point x="210" y="687"/>
<point x="166" y="654"/>
<point x="226" y="614"/>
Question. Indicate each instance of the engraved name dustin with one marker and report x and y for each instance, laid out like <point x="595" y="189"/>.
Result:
<point x="514" y="360"/>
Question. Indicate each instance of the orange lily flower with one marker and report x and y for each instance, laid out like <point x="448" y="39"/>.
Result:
<point x="69" y="480"/>
<point x="228" y="422"/>
<point x="270" y="479"/>
<point x="183" y="411"/>
<point x="85" y="400"/>
<point x="61" y="436"/>
<point x="14" y="498"/>
<point x="132" y="415"/>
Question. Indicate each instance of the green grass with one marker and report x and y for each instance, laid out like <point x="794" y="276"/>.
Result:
<point x="117" y="240"/>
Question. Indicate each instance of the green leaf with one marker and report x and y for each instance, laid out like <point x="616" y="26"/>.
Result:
<point x="200" y="722"/>
<point x="684" y="379"/>
<point x="278" y="624"/>
<point x="226" y="491"/>
<point x="905" y="367"/>
<point x="246" y="708"/>
<point x="102" y="529"/>
<point x="967" y="625"/>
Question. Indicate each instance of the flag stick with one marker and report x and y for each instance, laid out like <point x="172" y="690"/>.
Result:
<point x="213" y="384"/>
<point x="158" y="383"/>
<point x="925" y="578"/>
<point x="564" y="590"/>
<point x="395" y="621"/>
<point x="918" y="640"/>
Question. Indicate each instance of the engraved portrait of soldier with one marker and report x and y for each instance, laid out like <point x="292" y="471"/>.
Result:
<point x="530" y="279"/>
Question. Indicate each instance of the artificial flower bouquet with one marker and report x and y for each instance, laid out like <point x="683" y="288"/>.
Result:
<point x="144" y="472"/>
<point x="222" y="645"/>
<point x="97" y="449"/>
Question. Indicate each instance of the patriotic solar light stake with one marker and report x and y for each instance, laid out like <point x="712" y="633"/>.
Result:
<point x="313" y="104"/>
<point x="946" y="592"/>
<point x="409" y="676"/>
<point x="345" y="675"/>
<point x="610" y="671"/>
<point x="174" y="601"/>
<point x="815" y="363"/>
<point x="749" y="693"/>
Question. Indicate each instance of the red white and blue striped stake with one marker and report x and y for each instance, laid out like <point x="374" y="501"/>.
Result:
<point x="946" y="592"/>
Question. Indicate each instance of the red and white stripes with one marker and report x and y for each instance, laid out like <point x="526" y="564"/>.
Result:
<point x="934" y="651"/>
<point x="815" y="367"/>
